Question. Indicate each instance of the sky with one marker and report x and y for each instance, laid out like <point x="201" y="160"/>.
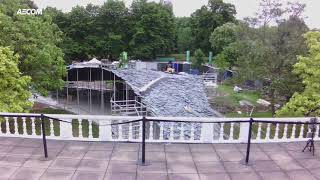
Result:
<point x="245" y="8"/>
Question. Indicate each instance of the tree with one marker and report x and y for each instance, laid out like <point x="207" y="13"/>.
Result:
<point x="113" y="27"/>
<point x="268" y="52"/>
<point x="184" y="34"/>
<point x="36" y="40"/>
<point x="222" y="36"/>
<point x="223" y="40"/>
<point x="79" y="25"/>
<point x="206" y="19"/>
<point x="198" y="60"/>
<point x="307" y="103"/>
<point x="153" y="29"/>
<point x="14" y="88"/>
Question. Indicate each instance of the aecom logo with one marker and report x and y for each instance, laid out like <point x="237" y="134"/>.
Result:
<point x="30" y="12"/>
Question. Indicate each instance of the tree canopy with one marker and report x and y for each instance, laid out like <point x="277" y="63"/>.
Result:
<point x="153" y="29"/>
<point x="198" y="60"/>
<point x="206" y="19"/>
<point x="14" y="87"/>
<point x="35" y="40"/>
<point x="143" y="30"/>
<point x="223" y="41"/>
<point x="264" y="53"/>
<point x="307" y="103"/>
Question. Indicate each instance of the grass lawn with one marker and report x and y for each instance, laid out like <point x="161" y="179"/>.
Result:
<point x="228" y="94"/>
<point x="50" y="111"/>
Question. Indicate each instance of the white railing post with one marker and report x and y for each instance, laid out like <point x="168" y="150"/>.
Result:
<point x="7" y="126"/>
<point x="66" y="130"/>
<point x="151" y="130"/>
<point x="130" y="130"/>
<point x="244" y="129"/>
<point x="268" y="131"/>
<point x="24" y="126"/>
<point x="192" y="131"/>
<point x="207" y="133"/>
<point x="231" y="131"/>
<point x="276" y="135"/>
<point x="80" y="128"/>
<point x="259" y="132"/>
<point x="33" y="126"/>
<point x="316" y="135"/>
<point x="105" y="129"/>
<point x="301" y="131"/>
<point x="51" y="127"/>
<point x="171" y="134"/>
<point x="120" y="136"/>
<point x="285" y="132"/>
<point x="16" y="131"/>
<point x="293" y="133"/>
<point x="90" y="129"/>
<point x="221" y="132"/>
<point x="161" y="130"/>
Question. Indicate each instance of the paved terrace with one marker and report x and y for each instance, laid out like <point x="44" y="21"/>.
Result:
<point x="23" y="159"/>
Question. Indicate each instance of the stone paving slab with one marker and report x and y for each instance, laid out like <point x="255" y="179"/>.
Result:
<point x="54" y="174"/>
<point x="23" y="159"/>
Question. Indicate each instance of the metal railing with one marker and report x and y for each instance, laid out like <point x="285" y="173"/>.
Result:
<point x="147" y="129"/>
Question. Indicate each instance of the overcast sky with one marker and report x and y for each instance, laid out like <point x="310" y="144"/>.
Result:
<point x="244" y="8"/>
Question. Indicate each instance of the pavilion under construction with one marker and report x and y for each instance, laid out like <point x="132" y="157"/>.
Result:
<point x="100" y="88"/>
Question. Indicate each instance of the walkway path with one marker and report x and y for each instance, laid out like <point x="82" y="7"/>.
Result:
<point x="23" y="159"/>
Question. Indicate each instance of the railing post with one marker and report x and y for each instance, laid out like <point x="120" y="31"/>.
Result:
<point x="248" y="142"/>
<point x="44" y="136"/>
<point x="207" y="132"/>
<point x="243" y="134"/>
<point x="143" y="148"/>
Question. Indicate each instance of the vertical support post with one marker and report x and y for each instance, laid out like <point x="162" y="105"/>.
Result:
<point x="143" y="147"/>
<point x="143" y="158"/>
<point x="44" y="136"/>
<point x="90" y="96"/>
<point x="78" y="100"/>
<point x="126" y="97"/>
<point x="102" y="91"/>
<point x="67" y="102"/>
<point x="249" y="142"/>
<point x="207" y="134"/>
<point x="114" y="87"/>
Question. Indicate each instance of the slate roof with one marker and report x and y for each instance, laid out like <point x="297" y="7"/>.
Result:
<point x="169" y="94"/>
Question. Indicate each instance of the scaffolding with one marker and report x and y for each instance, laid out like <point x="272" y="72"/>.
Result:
<point x="123" y="101"/>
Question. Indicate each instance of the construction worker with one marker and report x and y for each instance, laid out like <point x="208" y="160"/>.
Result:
<point x="170" y="68"/>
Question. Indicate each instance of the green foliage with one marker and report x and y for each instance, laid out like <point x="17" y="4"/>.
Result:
<point x="50" y="111"/>
<point x="234" y="97"/>
<point x="307" y="102"/>
<point x="144" y="30"/>
<point x="223" y="41"/>
<point x="198" y="60"/>
<point x="113" y="29"/>
<point x="153" y="30"/>
<point x="267" y="53"/>
<point x="14" y="93"/>
<point x="222" y="36"/>
<point x="184" y="34"/>
<point x="205" y="20"/>
<point x="36" y="40"/>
